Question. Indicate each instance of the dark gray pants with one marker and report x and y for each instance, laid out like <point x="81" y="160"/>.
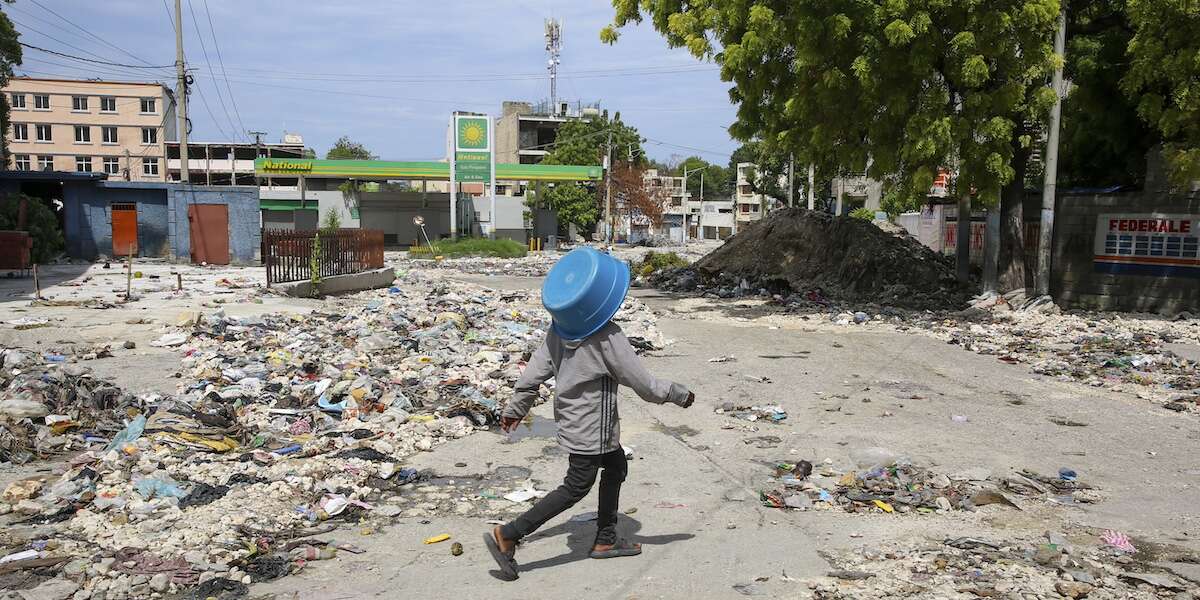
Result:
<point x="581" y="475"/>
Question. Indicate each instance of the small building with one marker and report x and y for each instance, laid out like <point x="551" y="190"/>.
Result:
<point x="232" y="163"/>
<point x="102" y="218"/>
<point x="716" y="219"/>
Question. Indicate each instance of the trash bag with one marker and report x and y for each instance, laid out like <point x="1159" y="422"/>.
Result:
<point x="132" y="432"/>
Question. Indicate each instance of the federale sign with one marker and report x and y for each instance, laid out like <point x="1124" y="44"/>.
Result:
<point x="1148" y="244"/>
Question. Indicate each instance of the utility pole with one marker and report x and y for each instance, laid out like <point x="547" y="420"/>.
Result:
<point x="608" y="189"/>
<point x="1050" y="186"/>
<point x="181" y="91"/>
<point x="812" y="175"/>
<point x="791" y="175"/>
<point x="553" y="47"/>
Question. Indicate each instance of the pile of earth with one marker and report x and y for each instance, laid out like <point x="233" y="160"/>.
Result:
<point x="797" y="251"/>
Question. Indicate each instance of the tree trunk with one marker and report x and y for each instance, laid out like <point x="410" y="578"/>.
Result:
<point x="1012" y="225"/>
<point x="963" y="239"/>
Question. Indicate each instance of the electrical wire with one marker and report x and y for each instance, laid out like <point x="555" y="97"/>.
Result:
<point x="90" y="34"/>
<point x="693" y="149"/>
<point x="221" y="61"/>
<point x="99" y="62"/>
<point x="204" y="49"/>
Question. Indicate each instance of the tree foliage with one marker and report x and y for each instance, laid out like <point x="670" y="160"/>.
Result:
<point x="630" y="193"/>
<point x="10" y="55"/>
<point x="718" y="181"/>
<point x="585" y="142"/>
<point x="40" y="222"/>
<point x="912" y="85"/>
<point x="1164" y="76"/>
<point x="347" y="149"/>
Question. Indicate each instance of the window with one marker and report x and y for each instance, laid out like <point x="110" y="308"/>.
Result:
<point x="109" y="134"/>
<point x="79" y="103"/>
<point x="20" y="132"/>
<point x="112" y="165"/>
<point x="745" y="208"/>
<point x="44" y="133"/>
<point x="149" y="166"/>
<point x="21" y="161"/>
<point x="149" y="135"/>
<point x="83" y="164"/>
<point x="108" y="104"/>
<point x="83" y="134"/>
<point x="18" y="101"/>
<point x="45" y="163"/>
<point x="148" y="106"/>
<point x="41" y="102"/>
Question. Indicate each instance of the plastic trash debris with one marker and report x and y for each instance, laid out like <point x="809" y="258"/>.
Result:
<point x="585" y="517"/>
<point x="456" y="549"/>
<point x="1118" y="540"/>
<point x="437" y="538"/>
<point x="159" y="488"/>
<point x="1067" y="474"/>
<point x="133" y="430"/>
<point x="169" y="339"/>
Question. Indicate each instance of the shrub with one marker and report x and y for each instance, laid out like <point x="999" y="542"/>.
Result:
<point x="657" y="261"/>
<point x="863" y="213"/>
<point x="40" y="222"/>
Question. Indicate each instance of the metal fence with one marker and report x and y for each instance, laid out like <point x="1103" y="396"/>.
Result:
<point x="289" y="255"/>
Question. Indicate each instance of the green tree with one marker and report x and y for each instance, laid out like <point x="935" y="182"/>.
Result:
<point x="1164" y="77"/>
<point x="40" y="222"/>
<point x="347" y="149"/>
<point x="1104" y="141"/>
<point x="718" y="182"/>
<point x="894" y="88"/>
<point x="308" y="153"/>
<point x="10" y="55"/>
<point x="585" y="142"/>
<point x="770" y="172"/>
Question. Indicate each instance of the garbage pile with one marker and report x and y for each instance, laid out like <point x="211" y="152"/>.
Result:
<point x="1048" y="566"/>
<point x="283" y="425"/>
<point x="883" y="483"/>
<point x="531" y="265"/>
<point x="1120" y="353"/>
<point x="798" y="252"/>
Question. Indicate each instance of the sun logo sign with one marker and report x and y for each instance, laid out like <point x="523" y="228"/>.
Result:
<point x="472" y="134"/>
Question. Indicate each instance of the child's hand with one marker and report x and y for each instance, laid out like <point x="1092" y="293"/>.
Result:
<point x="508" y="424"/>
<point x="690" y="399"/>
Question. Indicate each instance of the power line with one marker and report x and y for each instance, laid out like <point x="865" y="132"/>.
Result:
<point x="204" y="49"/>
<point x="662" y="143"/>
<point x="80" y="58"/>
<point x="221" y="61"/>
<point x="89" y="33"/>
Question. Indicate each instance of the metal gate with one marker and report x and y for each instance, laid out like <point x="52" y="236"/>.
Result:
<point x="209" y="225"/>
<point x="124" y="229"/>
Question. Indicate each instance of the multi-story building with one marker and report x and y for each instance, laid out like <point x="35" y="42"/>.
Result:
<point x="672" y="193"/>
<point x="232" y="163"/>
<point x="525" y="132"/>
<point x="716" y="220"/>
<point x="118" y="128"/>
<point x="750" y="205"/>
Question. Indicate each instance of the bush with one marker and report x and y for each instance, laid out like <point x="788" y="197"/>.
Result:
<point x="40" y="222"/>
<point x="863" y="213"/>
<point x="657" y="261"/>
<point x="472" y="247"/>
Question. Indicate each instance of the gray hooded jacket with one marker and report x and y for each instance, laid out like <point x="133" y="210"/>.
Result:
<point x="586" y="374"/>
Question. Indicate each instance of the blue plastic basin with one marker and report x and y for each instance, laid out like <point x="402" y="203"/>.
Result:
<point x="583" y="291"/>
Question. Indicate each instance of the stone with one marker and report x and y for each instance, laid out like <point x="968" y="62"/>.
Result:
<point x="1073" y="589"/>
<point x="129" y="345"/>
<point x="76" y="568"/>
<point x="943" y="503"/>
<point x="51" y="589"/>
<point x="29" y="507"/>
<point x="940" y="481"/>
<point x="159" y="582"/>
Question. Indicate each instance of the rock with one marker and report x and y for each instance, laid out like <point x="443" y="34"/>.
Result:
<point x="939" y="482"/>
<point x="159" y="582"/>
<point x="22" y="490"/>
<point x="76" y="568"/>
<point x="51" y="589"/>
<point x="104" y="565"/>
<point x="129" y="345"/>
<point x="29" y="507"/>
<point x="943" y="503"/>
<point x="1073" y="589"/>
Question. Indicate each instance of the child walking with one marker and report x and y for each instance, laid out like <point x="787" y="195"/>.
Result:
<point x="589" y="357"/>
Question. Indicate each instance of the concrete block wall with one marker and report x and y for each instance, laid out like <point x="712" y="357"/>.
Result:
<point x="1074" y="279"/>
<point x="245" y="231"/>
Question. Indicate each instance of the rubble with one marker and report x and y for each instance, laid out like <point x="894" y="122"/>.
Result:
<point x="1047" y="566"/>
<point x="799" y="252"/>
<point x="282" y="424"/>
<point x="885" y="483"/>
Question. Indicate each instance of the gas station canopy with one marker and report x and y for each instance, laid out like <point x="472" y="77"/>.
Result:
<point x="386" y="169"/>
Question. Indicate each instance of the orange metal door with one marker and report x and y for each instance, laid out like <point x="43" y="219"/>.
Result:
<point x="124" y="229"/>
<point x="209" y="224"/>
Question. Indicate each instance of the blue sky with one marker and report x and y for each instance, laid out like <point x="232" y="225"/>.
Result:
<point x="386" y="73"/>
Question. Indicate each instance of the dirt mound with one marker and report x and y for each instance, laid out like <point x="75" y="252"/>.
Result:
<point x="839" y="258"/>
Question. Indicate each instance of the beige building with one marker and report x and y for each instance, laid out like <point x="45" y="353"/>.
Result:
<point x="117" y="128"/>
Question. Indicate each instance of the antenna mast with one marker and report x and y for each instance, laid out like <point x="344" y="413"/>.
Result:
<point x="553" y="47"/>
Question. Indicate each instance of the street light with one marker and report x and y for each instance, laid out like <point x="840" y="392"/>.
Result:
<point x="686" y="214"/>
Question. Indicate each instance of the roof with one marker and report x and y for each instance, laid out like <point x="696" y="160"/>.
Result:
<point x="51" y="176"/>
<point x="95" y="81"/>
